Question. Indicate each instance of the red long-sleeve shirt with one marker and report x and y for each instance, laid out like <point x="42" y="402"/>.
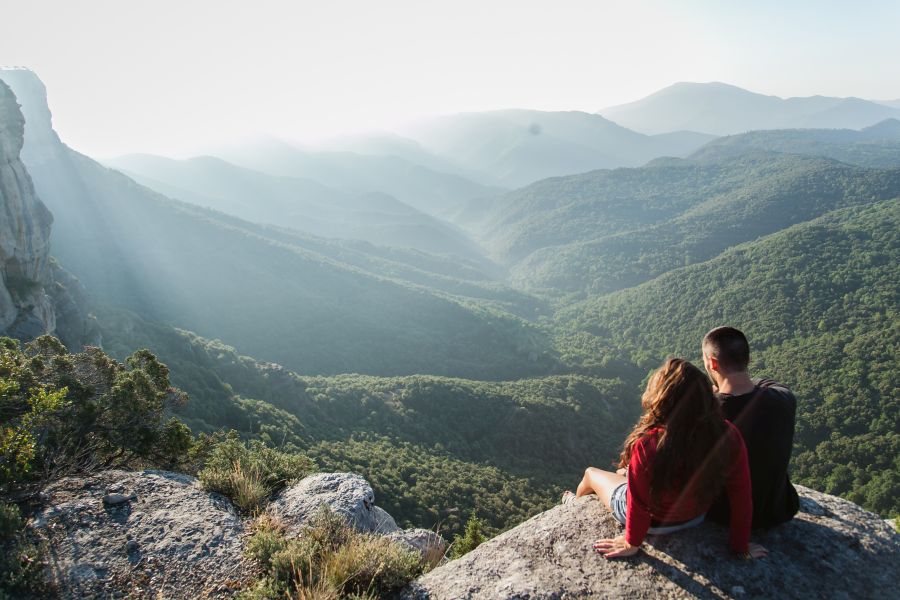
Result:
<point x="676" y="506"/>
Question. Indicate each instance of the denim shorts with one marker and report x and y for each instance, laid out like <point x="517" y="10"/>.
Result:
<point x="618" y="502"/>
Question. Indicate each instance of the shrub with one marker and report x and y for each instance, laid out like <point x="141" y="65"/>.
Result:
<point x="249" y="473"/>
<point x="64" y="413"/>
<point x="328" y="560"/>
<point x="266" y="541"/>
<point x="21" y="560"/>
<point x="473" y="537"/>
<point x="371" y="564"/>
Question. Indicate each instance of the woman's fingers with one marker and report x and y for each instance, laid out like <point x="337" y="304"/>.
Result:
<point x="623" y="552"/>
<point x="614" y="547"/>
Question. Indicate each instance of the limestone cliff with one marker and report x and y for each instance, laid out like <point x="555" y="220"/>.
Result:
<point x="25" y="308"/>
<point x="832" y="549"/>
<point x="36" y="295"/>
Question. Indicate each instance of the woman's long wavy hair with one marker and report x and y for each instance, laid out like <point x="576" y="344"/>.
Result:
<point x="692" y="450"/>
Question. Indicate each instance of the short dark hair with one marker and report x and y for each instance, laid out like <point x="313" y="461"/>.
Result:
<point x="729" y="346"/>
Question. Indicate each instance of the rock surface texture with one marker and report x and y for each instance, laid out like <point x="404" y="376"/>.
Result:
<point x="347" y="494"/>
<point x="150" y="534"/>
<point x="832" y="549"/>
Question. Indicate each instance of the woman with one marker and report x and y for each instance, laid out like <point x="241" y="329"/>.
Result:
<point x="677" y="459"/>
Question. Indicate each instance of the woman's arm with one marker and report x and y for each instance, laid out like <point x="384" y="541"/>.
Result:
<point x="637" y="514"/>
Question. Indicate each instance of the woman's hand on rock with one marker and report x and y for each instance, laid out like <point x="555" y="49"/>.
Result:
<point x="615" y="547"/>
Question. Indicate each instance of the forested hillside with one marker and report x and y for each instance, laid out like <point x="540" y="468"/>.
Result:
<point x="875" y="146"/>
<point x="819" y="304"/>
<point x="610" y="230"/>
<point x="435" y="449"/>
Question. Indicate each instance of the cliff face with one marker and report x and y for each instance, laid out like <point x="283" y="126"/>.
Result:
<point x="37" y="296"/>
<point x="26" y="310"/>
<point x="831" y="549"/>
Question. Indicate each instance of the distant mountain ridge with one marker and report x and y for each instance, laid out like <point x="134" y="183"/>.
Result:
<point x="875" y="146"/>
<point x="722" y="109"/>
<point x="423" y="188"/>
<point x="517" y="147"/>
<point x="298" y="203"/>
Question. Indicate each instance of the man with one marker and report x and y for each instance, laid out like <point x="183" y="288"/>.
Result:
<point x="765" y="412"/>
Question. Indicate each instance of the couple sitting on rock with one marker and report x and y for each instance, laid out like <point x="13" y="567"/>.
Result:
<point x="684" y="462"/>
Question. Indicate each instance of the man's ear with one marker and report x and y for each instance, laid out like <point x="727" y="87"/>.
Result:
<point x="714" y="363"/>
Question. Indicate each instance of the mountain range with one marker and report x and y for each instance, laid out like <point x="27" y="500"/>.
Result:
<point x="721" y="109"/>
<point x="482" y="369"/>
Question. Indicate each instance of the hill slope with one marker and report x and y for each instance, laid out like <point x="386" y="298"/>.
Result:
<point x="429" y="191"/>
<point x="877" y="146"/>
<point x="608" y="230"/>
<point x="300" y="204"/>
<point x="819" y="304"/>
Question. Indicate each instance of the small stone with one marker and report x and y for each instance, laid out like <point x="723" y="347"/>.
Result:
<point x="738" y="591"/>
<point x="116" y="498"/>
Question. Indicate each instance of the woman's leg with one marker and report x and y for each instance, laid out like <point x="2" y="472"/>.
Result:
<point x="600" y="482"/>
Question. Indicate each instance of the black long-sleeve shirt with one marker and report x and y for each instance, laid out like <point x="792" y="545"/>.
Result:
<point x="766" y="418"/>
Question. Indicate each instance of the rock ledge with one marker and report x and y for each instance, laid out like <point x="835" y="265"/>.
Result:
<point x="832" y="549"/>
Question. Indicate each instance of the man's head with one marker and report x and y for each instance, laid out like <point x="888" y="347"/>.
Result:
<point x="725" y="352"/>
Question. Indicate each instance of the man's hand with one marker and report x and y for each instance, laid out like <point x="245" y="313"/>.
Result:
<point x="615" y="547"/>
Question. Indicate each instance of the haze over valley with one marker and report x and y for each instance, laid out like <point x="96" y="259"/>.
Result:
<point x="463" y="306"/>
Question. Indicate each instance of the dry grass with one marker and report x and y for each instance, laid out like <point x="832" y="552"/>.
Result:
<point x="327" y="561"/>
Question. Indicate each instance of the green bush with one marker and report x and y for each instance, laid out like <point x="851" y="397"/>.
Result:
<point x="64" y="413"/>
<point x="21" y="560"/>
<point x="248" y="473"/>
<point x="471" y="539"/>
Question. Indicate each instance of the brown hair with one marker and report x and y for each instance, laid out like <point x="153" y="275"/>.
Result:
<point x="692" y="450"/>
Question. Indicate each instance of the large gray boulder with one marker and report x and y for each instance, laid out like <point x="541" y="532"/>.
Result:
<point x="832" y="549"/>
<point x="150" y="534"/>
<point x="432" y="546"/>
<point x="346" y="494"/>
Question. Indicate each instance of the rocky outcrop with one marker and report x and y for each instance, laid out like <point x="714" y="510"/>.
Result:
<point x="36" y="296"/>
<point x="346" y="494"/>
<point x="350" y="496"/>
<point x="832" y="549"/>
<point x="430" y="545"/>
<point x="141" y="534"/>
<point x="156" y="534"/>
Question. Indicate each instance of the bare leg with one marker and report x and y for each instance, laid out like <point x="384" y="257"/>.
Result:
<point x="600" y="482"/>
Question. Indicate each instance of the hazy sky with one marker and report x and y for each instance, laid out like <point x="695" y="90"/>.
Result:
<point x="170" y="76"/>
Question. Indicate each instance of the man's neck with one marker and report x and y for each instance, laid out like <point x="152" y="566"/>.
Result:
<point x="736" y="384"/>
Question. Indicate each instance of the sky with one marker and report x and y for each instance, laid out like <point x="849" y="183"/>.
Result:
<point x="174" y="77"/>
